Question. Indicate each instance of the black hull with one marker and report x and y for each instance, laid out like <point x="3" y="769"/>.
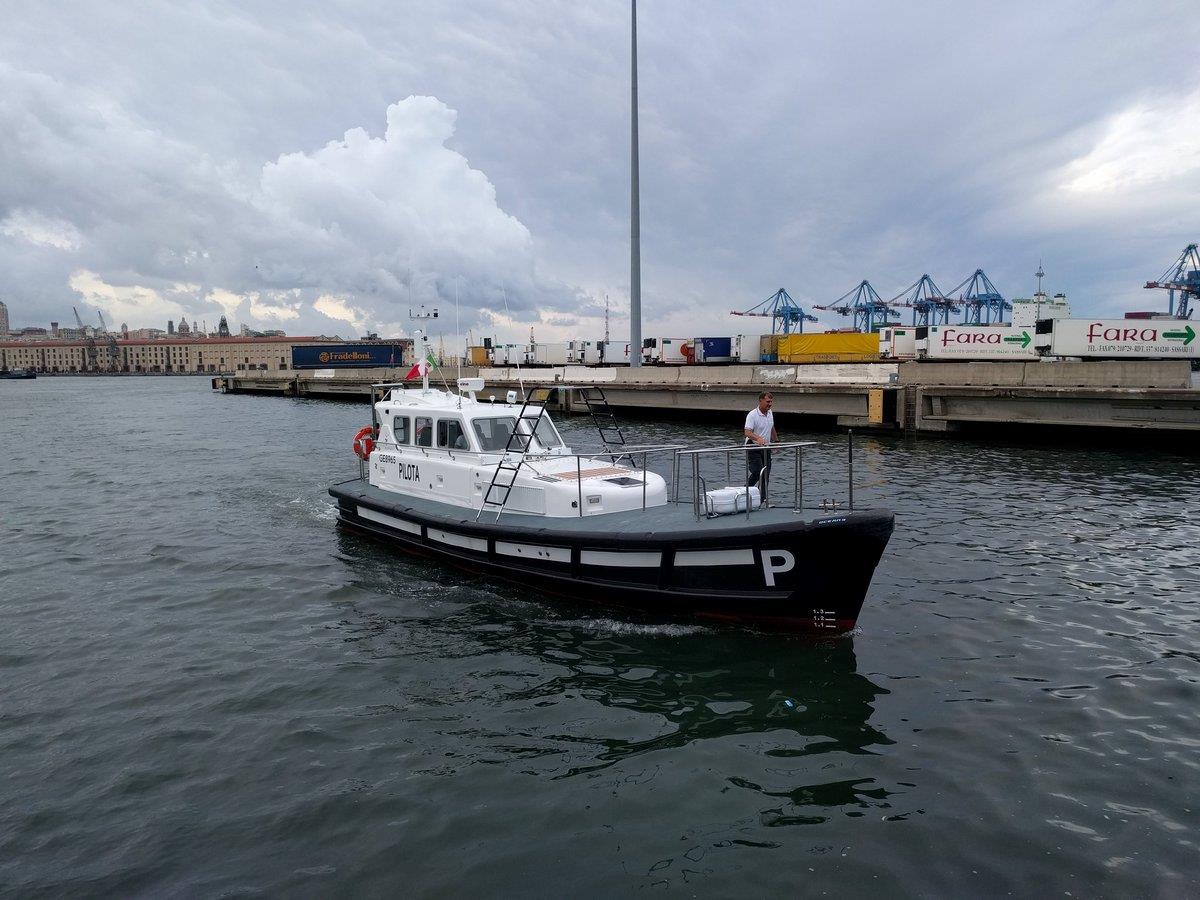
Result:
<point x="781" y="574"/>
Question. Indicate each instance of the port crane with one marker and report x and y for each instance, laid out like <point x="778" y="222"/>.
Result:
<point x="982" y="303"/>
<point x="1182" y="276"/>
<point x="85" y="334"/>
<point x="784" y="312"/>
<point x="869" y="310"/>
<point x="110" y="340"/>
<point x="929" y="305"/>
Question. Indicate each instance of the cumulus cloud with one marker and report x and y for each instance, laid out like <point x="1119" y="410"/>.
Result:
<point x="275" y="307"/>
<point x="351" y="233"/>
<point x="38" y="228"/>
<point x="123" y="303"/>
<point x="338" y="309"/>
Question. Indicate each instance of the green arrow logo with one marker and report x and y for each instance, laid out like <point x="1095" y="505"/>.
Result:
<point x="1024" y="340"/>
<point x="1186" y="335"/>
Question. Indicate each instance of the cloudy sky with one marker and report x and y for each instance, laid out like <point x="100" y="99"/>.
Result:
<point x="325" y="167"/>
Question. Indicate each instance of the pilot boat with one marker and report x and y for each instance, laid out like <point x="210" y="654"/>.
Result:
<point x="492" y="488"/>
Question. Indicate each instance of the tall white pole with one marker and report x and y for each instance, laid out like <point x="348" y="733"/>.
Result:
<point x="635" y="214"/>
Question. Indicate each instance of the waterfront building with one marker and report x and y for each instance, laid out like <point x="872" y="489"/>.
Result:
<point x="190" y="354"/>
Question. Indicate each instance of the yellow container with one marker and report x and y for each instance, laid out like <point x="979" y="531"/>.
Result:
<point x="478" y="356"/>
<point x="824" y="348"/>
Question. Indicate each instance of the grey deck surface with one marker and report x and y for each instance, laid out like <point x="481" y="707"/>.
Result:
<point x="673" y="518"/>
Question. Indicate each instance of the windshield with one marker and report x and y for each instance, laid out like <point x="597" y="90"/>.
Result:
<point x="494" y="432"/>
<point x="547" y="435"/>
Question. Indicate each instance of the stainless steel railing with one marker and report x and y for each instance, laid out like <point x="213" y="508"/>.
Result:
<point x="699" y="500"/>
<point x="643" y="452"/>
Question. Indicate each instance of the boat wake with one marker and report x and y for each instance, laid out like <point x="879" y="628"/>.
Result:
<point x="641" y="629"/>
<point x="313" y="508"/>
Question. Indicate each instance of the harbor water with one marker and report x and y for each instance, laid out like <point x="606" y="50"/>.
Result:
<point x="206" y="688"/>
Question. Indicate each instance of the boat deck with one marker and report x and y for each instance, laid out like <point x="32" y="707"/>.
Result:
<point x="670" y="519"/>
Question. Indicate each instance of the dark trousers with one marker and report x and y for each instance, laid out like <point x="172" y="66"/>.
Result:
<point x="758" y="464"/>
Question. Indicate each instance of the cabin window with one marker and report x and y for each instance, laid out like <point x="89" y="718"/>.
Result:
<point x="546" y="434"/>
<point x="400" y="429"/>
<point x="424" y="430"/>
<point x="450" y="435"/>
<point x="493" y="433"/>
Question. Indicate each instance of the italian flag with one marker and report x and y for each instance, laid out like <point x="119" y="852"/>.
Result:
<point x="421" y="368"/>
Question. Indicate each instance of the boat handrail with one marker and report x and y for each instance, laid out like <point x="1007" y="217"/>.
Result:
<point x="795" y="447"/>
<point x="644" y="450"/>
<point x="778" y="446"/>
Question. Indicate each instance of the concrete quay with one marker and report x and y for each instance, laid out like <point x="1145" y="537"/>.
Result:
<point x="909" y="396"/>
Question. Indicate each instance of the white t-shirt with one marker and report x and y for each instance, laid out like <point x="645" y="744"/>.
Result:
<point x="761" y="423"/>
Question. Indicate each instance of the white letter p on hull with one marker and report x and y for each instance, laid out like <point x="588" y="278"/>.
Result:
<point x="776" y="562"/>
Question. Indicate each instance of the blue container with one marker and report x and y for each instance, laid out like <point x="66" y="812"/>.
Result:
<point x="347" y="356"/>
<point x="714" y="350"/>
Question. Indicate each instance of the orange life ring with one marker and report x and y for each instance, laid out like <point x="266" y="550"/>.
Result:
<point x="364" y="442"/>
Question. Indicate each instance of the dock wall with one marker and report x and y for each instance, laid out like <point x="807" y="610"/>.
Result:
<point x="912" y="396"/>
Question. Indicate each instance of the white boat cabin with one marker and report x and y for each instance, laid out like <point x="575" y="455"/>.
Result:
<point x="443" y="446"/>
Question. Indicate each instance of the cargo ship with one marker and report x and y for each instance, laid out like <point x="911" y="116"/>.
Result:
<point x="492" y="488"/>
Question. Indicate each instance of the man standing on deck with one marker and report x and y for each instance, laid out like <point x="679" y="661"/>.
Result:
<point x="760" y="430"/>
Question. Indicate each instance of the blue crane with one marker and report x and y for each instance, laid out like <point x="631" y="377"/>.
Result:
<point x="784" y="312"/>
<point x="982" y="303"/>
<point x="870" y="311"/>
<point x="1183" y="276"/>
<point x="929" y="305"/>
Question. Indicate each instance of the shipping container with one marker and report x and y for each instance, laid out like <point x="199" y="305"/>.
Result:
<point x="614" y="353"/>
<point x="980" y="342"/>
<point x="768" y="348"/>
<point x="349" y="356"/>
<point x="510" y="354"/>
<point x="667" y="351"/>
<point x="584" y="353"/>
<point x="828" y="347"/>
<point x="749" y="348"/>
<point x="479" y="356"/>
<point x="714" y="350"/>
<point x="1123" y="338"/>
<point x="898" y="342"/>
<point x="549" y="354"/>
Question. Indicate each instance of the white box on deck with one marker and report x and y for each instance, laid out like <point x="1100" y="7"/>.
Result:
<point x="729" y="500"/>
